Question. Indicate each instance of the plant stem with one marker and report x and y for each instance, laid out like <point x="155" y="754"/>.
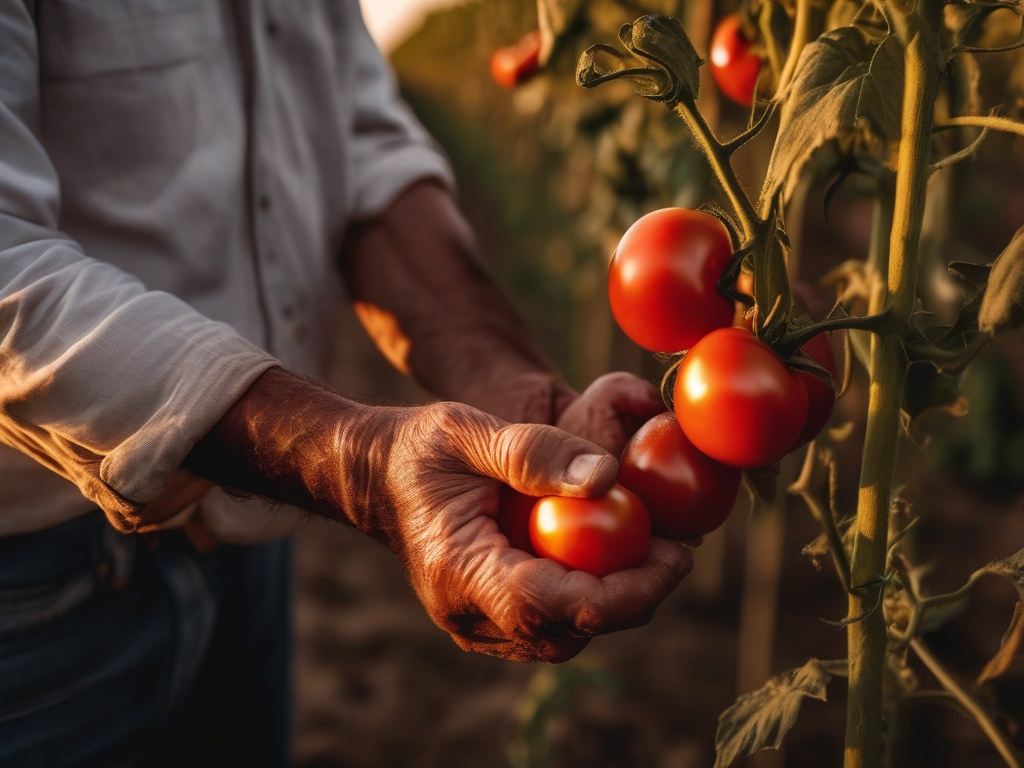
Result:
<point x="801" y="36"/>
<point x="867" y="637"/>
<point x="983" y="121"/>
<point x="718" y="157"/>
<point x="968" y="702"/>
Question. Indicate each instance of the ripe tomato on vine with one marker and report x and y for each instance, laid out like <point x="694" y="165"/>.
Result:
<point x="512" y="65"/>
<point x="734" y="64"/>
<point x="686" y="492"/>
<point x="663" y="279"/>
<point x="738" y="401"/>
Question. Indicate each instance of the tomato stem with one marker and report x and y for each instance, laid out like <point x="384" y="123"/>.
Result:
<point x="718" y="155"/>
<point x="916" y="29"/>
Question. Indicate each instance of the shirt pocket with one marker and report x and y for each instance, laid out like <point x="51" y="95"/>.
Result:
<point x="84" y="38"/>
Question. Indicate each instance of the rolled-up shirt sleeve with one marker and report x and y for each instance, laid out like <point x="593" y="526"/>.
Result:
<point x="390" y="148"/>
<point x="103" y="381"/>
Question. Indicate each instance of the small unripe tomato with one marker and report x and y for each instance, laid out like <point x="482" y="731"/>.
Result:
<point x="598" y="535"/>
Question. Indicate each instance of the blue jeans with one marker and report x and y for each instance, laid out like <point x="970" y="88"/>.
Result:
<point x="140" y="651"/>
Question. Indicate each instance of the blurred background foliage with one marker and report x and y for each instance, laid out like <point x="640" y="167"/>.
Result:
<point x="551" y="175"/>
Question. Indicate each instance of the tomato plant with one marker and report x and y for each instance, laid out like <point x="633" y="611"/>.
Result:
<point x="597" y="535"/>
<point x="738" y="401"/>
<point x="735" y="66"/>
<point x="663" y="279"/>
<point x="686" y="492"/>
<point x="512" y="65"/>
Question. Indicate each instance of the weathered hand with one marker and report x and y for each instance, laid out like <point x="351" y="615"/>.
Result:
<point x="611" y="409"/>
<point x="437" y="474"/>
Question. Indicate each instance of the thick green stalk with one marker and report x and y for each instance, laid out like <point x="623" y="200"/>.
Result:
<point x="867" y="637"/>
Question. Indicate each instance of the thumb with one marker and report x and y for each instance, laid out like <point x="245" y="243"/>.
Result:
<point x="540" y="460"/>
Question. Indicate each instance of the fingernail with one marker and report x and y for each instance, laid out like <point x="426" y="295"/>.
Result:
<point x="583" y="468"/>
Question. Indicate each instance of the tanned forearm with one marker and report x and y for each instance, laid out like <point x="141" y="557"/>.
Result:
<point x="292" y="441"/>
<point x="418" y="282"/>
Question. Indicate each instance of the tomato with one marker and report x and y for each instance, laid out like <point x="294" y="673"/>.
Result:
<point x="514" y="518"/>
<point x="663" y="279"/>
<point x="597" y="535"/>
<point x="686" y="492"/>
<point x="512" y="65"/>
<point x="734" y="65"/>
<point x="738" y="401"/>
<point x="821" y="398"/>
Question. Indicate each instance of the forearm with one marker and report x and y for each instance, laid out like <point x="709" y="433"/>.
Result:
<point x="292" y="441"/>
<point x="418" y="282"/>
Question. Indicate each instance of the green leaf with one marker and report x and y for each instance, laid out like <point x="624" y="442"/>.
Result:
<point x="669" y="67"/>
<point x="847" y="96"/>
<point x="1003" y="304"/>
<point x="760" y="720"/>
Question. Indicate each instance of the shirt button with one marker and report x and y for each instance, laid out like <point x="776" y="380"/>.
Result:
<point x="271" y="28"/>
<point x="287" y="312"/>
<point x="263" y="201"/>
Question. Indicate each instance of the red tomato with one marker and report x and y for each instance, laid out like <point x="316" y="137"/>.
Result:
<point x="821" y="398"/>
<point x="515" y="64"/>
<point x="733" y="66"/>
<point x="514" y="518"/>
<point x="686" y="492"/>
<point x="663" y="279"/>
<point x="598" y="535"/>
<point x="738" y="401"/>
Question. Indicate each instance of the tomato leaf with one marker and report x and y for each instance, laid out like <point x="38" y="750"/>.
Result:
<point x="927" y="389"/>
<point x="1011" y="567"/>
<point x="556" y="18"/>
<point x="1003" y="304"/>
<point x="669" y="68"/>
<point x="1009" y="648"/>
<point x="760" y="720"/>
<point x="846" y="95"/>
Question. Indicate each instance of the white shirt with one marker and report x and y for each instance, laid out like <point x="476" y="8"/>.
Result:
<point x="176" y="177"/>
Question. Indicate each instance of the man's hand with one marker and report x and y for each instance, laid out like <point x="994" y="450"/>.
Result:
<point x="611" y="409"/>
<point x="427" y="482"/>
<point x="445" y="469"/>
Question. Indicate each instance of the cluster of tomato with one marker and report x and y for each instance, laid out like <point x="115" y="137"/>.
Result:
<point x="737" y="405"/>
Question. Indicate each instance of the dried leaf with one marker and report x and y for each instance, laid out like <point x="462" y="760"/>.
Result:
<point x="1011" y="567"/>
<point x="669" y="68"/>
<point x="927" y="389"/>
<point x="1010" y="646"/>
<point x="760" y="720"/>
<point x="846" y="94"/>
<point x="1003" y="304"/>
